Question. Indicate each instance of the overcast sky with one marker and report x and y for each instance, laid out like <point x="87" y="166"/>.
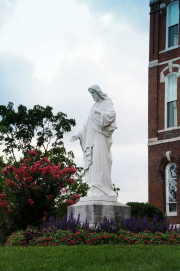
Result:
<point x="51" y="51"/>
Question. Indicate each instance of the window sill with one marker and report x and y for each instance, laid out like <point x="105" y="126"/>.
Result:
<point x="169" y="129"/>
<point x="173" y="214"/>
<point x="169" y="49"/>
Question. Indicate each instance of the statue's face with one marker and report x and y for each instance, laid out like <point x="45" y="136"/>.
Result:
<point x="95" y="96"/>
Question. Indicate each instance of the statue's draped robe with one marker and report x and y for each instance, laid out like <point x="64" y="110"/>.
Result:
<point x="96" y="141"/>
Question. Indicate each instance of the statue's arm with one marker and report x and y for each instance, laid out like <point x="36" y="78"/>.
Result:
<point x="74" y="138"/>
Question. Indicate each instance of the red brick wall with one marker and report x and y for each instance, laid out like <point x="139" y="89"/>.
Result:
<point x="157" y="160"/>
<point x="152" y="102"/>
<point x="169" y="134"/>
<point x="154" y="33"/>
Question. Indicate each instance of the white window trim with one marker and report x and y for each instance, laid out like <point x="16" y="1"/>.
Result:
<point x="169" y="129"/>
<point x="167" y="27"/>
<point x="167" y="202"/>
<point x="165" y="107"/>
<point x="169" y="49"/>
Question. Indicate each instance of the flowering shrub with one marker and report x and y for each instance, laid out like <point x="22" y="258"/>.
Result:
<point x="5" y="216"/>
<point x="141" y="224"/>
<point x="134" y="225"/>
<point x="36" y="188"/>
<point x="63" y="224"/>
<point x="5" y="206"/>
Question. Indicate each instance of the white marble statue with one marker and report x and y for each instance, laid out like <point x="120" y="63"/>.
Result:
<point x="96" y="140"/>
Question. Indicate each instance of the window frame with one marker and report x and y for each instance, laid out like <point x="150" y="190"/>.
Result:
<point x="167" y="27"/>
<point x="166" y="101"/>
<point x="167" y="190"/>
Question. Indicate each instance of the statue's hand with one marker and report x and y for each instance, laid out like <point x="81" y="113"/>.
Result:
<point x="96" y="110"/>
<point x="74" y="138"/>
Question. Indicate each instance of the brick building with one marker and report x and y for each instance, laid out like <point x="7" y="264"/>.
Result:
<point x="164" y="108"/>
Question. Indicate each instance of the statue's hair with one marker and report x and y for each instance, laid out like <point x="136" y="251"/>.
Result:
<point x="97" y="89"/>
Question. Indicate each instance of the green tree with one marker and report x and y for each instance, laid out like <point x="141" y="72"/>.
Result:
<point x="36" y="128"/>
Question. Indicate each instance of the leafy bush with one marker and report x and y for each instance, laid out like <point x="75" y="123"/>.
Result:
<point x="140" y="209"/>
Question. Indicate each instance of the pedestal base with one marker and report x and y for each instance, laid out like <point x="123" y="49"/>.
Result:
<point x="99" y="198"/>
<point x="95" y="211"/>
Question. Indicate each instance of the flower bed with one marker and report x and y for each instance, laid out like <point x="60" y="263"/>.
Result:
<point x="72" y="232"/>
<point x="30" y="237"/>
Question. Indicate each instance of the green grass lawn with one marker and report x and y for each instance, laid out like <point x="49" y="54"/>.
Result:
<point x="94" y="258"/>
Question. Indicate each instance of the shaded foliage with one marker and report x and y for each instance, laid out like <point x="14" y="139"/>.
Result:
<point x="140" y="209"/>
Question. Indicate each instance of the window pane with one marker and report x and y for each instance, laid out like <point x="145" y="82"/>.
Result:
<point x="174" y="14"/>
<point x="171" y="171"/>
<point x="173" y="35"/>
<point x="173" y="190"/>
<point x="172" y="88"/>
<point x="172" y="114"/>
<point x="172" y="207"/>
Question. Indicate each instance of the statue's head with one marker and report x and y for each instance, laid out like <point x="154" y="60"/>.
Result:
<point x="94" y="94"/>
<point x="97" y="93"/>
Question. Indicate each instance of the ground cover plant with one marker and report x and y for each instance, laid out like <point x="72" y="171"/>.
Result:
<point x="31" y="237"/>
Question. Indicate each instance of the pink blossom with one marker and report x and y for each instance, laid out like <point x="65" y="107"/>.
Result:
<point x="32" y="153"/>
<point x="31" y="201"/>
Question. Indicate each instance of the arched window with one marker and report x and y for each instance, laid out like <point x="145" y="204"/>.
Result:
<point x="172" y="24"/>
<point x="171" y="101"/>
<point x="171" y="190"/>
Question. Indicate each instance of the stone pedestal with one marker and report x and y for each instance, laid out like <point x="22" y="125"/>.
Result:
<point x="95" y="208"/>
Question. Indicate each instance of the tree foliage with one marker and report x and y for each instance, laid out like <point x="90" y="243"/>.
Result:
<point x="36" y="128"/>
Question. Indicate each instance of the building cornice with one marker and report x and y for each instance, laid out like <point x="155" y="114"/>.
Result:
<point x="152" y="143"/>
<point x="155" y="63"/>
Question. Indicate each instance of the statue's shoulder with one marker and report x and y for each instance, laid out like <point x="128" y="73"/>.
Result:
<point x="108" y="103"/>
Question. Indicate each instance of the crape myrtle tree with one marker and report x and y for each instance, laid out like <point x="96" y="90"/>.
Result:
<point x="35" y="187"/>
<point x="41" y="130"/>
